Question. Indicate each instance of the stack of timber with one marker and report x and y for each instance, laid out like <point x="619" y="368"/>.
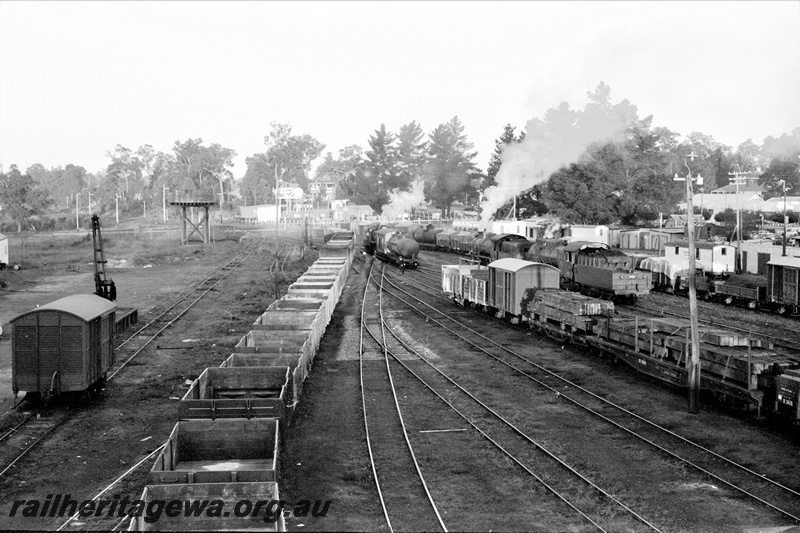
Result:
<point x="569" y="311"/>
<point x="724" y="355"/>
<point x="574" y="303"/>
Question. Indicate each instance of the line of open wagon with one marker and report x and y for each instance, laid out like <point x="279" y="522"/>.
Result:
<point x="225" y="446"/>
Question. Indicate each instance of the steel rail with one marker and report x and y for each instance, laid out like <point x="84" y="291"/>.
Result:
<point x="235" y="263"/>
<point x="397" y="404"/>
<point x="15" y="428"/>
<point x="384" y="326"/>
<point x="611" y="404"/>
<point x="185" y="296"/>
<point x="108" y="487"/>
<point x="539" y="445"/>
<point x="364" y="406"/>
<point x="385" y="506"/>
<point x="33" y="444"/>
<point x="284" y="263"/>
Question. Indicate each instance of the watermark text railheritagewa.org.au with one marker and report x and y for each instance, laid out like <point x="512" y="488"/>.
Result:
<point x="63" y="505"/>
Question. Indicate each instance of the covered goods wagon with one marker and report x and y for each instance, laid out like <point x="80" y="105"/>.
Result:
<point x="63" y="346"/>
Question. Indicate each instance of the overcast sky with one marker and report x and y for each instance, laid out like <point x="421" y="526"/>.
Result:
<point x="78" y="78"/>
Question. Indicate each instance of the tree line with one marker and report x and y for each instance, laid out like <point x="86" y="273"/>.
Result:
<point x="619" y="168"/>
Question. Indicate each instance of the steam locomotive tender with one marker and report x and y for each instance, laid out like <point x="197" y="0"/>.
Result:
<point x="592" y="268"/>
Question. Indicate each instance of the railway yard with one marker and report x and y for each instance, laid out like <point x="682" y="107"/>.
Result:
<point x="418" y="414"/>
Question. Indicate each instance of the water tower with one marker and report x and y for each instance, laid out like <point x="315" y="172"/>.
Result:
<point x="194" y="198"/>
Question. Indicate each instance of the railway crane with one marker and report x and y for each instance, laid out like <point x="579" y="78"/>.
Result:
<point x="104" y="286"/>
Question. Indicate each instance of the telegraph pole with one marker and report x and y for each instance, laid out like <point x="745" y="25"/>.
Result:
<point x="277" y="220"/>
<point x="738" y="222"/>
<point x="693" y="363"/>
<point x="785" y="218"/>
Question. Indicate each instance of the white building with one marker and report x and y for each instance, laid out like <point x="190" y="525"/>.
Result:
<point x="579" y="232"/>
<point x="530" y="229"/>
<point x="3" y="250"/>
<point x="756" y="254"/>
<point x="260" y="213"/>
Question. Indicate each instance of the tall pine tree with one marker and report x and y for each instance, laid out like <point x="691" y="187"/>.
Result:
<point x="410" y="153"/>
<point x="450" y="170"/>
<point x="505" y="139"/>
<point x="382" y="159"/>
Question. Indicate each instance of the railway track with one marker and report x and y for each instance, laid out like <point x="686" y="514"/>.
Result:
<point x="398" y="479"/>
<point x="574" y="496"/>
<point x="783" y="498"/>
<point x="41" y="423"/>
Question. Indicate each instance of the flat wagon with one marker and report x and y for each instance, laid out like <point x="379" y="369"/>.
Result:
<point x="64" y="346"/>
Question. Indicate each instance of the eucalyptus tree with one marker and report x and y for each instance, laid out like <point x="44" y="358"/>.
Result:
<point x="256" y="186"/>
<point x="625" y="172"/>
<point x="287" y="159"/>
<point x="21" y="198"/>
<point x="124" y="173"/>
<point x="61" y="183"/>
<point x="340" y="172"/>
<point x="783" y="154"/>
<point x="290" y="156"/>
<point x="205" y="166"/>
